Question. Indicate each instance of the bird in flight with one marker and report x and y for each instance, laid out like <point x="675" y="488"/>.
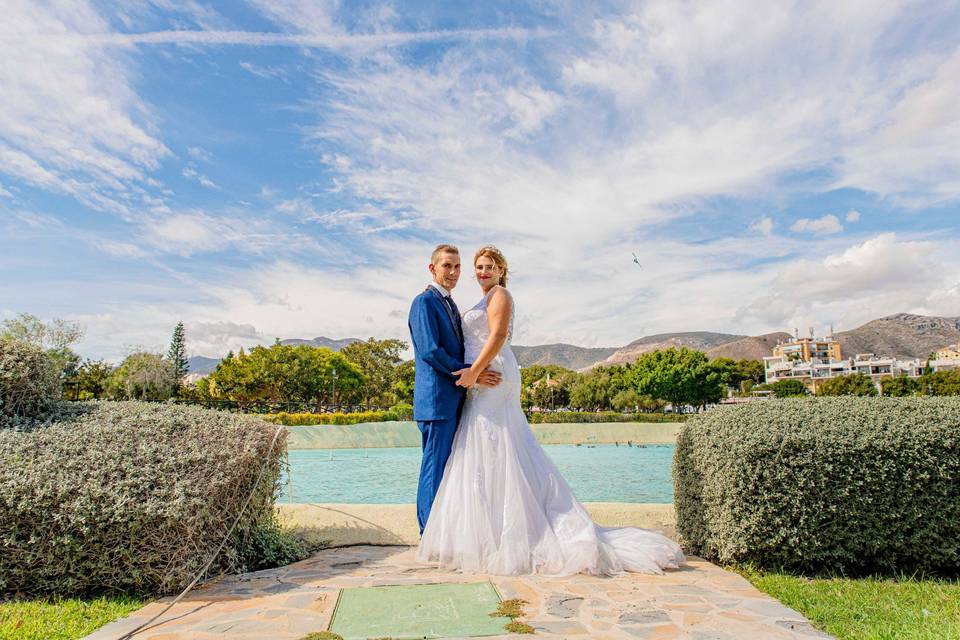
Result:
<point x="636" y="259"/>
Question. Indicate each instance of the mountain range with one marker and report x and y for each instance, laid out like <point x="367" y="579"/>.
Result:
<point x="901" y="335"/>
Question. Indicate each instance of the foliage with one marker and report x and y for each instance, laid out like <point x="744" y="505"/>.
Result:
<point x="403" y="411"/>
<point x="940" y="383"/>
<point x="93" y="378"/>
<point x="905" y="607"/>
<point x="29" y="384"/>
<point x="403" y="382"/>
<point x="855" y="384"/>
<point x="301" y="419"/>
<point x="56" y="618"/>
<point x="141" y="376"/>
<point x="177" y="356"/>
<point x="899" y="387"/>
<point x="585" y="417"/>
<point x="680" y="376"/>
<point x="845" y="484"/>
<point x="785" y="388"/>
<point x="279" y="373"/>
<point x="55" y="338"/>
<point x="134" y="497"/>
<point x="378" y="361"/>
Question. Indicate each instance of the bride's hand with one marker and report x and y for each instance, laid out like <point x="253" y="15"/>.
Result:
<point x="468" y="377"/>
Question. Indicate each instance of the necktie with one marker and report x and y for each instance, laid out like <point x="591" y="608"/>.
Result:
<point x="455" y="313"/>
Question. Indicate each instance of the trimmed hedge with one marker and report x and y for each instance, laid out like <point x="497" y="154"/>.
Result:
<point x="855" y="485"/>
<point x="134" y="497"/>
<point x="558" y="417"/>
<point x="304" y="419"/>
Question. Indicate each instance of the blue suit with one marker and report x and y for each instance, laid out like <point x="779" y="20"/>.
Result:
<point x="438" y="351"/>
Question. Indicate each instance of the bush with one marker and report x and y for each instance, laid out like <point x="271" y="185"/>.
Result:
<point x="29" y="382"/>
<point x="403" y="411"/>
<point x="301" y="419"/>
<point x="601" y="416"/>
<point x="838" y="484"/>
<point x="899" y="387"/>
<point x="135" y="497"/>
<point x="941" y="383"/>
<point x="855" y="384"/>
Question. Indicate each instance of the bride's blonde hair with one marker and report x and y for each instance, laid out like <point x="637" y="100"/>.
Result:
<point x="494" y="254"/>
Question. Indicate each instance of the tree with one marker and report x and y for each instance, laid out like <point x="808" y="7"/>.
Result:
<point x="93" y="378"/>
<point x="786" y="388"/>
<point x="899" y="386"/>
<point x="940" y="383"/>
<point x="679" y="376"/>
<point x="626" y="401"/>
<point x="287" y="373"/>
<point x="55" y="338"/>
<point x="378" y="361"/>
<point x="403" y="381"/>
<point x="751" y="370"/>
<point x="177" y="355"/>
<point x="855" y="384"/>
<point x="142" y="376"/>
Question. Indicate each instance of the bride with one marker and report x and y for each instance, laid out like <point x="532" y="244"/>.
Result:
<point x="502" y="506"/>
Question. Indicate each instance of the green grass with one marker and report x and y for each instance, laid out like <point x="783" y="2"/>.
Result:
<point x="61" y="618"/>
<point x="874" y="608"/>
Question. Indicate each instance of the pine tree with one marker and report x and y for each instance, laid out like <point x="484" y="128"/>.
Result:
<point x="177" y="356"/>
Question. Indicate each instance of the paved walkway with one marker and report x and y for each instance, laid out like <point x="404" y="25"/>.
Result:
<point x="698" y="602"/>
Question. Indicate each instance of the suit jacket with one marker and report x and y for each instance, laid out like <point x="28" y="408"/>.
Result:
<point x="437" y="352"/>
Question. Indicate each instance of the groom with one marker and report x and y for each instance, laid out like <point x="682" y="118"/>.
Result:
<point x="437" y="336"/>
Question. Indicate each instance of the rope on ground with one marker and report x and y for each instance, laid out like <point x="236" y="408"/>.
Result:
<point x="216" y="553"/>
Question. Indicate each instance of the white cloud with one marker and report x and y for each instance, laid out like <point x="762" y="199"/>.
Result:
<point x="853" y="216"/>
<point x="190" y="172"/>
<point x="763" y="225"/>
<point x="818" y="226"/>
<point x="199" y="154"/>
<point x="120" y="249"/>
<point x="4" y="193"/>
<point x="74" y="124"/>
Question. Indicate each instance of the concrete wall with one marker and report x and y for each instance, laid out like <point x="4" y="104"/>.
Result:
<point x="406" y="434"/>
<point x="346" y="524"/>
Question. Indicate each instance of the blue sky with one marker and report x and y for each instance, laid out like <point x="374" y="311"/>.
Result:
<point x="266" y="169"/>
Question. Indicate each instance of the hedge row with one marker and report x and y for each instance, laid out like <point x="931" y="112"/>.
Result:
<point x="603" y="416"/>
<point x="848" y="484"/>
<point x="134" y="497"/>
<point x="29" y="385"/>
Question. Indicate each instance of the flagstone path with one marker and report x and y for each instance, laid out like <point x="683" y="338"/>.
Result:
<point x="698" y="602"/>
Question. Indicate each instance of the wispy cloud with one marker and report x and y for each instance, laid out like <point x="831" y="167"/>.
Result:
<point x="818" y="226"/>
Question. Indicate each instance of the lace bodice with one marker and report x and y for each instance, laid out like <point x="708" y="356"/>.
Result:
<point x="476" y="328"/>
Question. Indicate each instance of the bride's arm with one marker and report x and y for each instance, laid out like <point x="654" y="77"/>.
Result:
<point x="499" y="308"/>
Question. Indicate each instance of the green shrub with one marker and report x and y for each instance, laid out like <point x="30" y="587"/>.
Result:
<point x="601" y="416"/>
<point x="855" y="384"/>
<point x="134" y="497"/>
<point x="403" y="411"/>
<point x="839" y="484"/>
<point x="899" y="387"/>
<point x="785" y="388"/>
<point x="301" y="419"/>
<point x="941" y="383"/>
<point x="29" y="383"/>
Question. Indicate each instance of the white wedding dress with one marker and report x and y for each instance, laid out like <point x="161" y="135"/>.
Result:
<point x="503" y="507"/>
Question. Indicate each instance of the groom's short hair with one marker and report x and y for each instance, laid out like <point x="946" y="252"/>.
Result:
<point x="442" y="248"/>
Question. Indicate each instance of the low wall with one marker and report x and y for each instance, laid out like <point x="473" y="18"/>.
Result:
<point x="406" y="434"/>
<point x="348" y="524"/>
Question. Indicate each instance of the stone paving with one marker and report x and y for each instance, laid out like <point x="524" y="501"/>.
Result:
<point x="698" y="602"/>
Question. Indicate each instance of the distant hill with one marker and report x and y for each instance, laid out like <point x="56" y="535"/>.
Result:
<point x="565" y="355"/>
<point x="751" y="348"/>
<point x="202" y="365"/>
<point x="901" y="335"/>
<point x="329" y="343"/>
<point x="698" y="340"/>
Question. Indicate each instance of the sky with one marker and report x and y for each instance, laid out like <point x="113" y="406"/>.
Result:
<point x="283" y="168"/>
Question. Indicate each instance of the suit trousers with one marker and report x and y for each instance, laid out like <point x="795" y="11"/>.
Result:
<point x="436" y="441"/>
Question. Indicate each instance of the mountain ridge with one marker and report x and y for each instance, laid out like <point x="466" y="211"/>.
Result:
<point x="900" y="335"/>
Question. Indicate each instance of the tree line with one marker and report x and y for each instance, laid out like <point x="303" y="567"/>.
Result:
<point x="931" y="383"/>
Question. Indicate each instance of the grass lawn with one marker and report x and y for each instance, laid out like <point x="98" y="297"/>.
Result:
<point x="848" y="608"/>
<point x="61" y="618"/>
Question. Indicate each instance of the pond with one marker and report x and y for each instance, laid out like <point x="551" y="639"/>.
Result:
<point x="597" y="473"/>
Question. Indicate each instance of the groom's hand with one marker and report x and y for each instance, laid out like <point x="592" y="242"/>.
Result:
<point x="489" y="378"/>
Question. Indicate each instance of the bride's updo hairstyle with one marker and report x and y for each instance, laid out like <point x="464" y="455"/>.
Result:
<point x="494" y="254"/>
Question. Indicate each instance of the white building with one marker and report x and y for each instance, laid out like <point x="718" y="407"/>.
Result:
<point x="812" y="371"/>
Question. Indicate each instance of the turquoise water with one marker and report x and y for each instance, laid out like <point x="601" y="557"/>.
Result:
<point x="601" y="473"/>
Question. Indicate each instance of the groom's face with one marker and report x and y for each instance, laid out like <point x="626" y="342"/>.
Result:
<point x="446" y="270"/>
